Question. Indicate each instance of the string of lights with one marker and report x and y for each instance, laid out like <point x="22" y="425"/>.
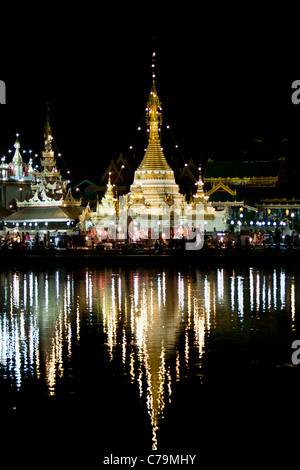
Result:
<point x="59" y="154"/>
<point x="23" y="152"/>
<point x="167" y="126"/>
<point x="139" y="129"/>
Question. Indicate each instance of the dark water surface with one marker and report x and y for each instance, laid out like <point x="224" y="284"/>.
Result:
<point x="122" y="361"/>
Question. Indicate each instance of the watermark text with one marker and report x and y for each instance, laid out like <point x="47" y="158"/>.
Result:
<point x="153" y="459"/>
<point x="2" y="92"/>
<point x="296" y="354"/>
<point x="138" y="221"/>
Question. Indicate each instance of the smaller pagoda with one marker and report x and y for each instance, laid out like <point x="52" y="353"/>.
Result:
<point x="16" y="177"/>
<point x="51" y="205"/>
<point x="103" y="220"/>
<point x="49" y="189"/>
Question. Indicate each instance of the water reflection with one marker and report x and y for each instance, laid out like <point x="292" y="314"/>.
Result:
<point x="156" y="323"/>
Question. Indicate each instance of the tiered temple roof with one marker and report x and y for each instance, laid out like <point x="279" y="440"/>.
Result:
<point x="154" y="180"/>
<point x="51" y="201"/>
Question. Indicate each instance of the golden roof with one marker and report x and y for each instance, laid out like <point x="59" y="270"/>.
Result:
<point x="154" y="158"/>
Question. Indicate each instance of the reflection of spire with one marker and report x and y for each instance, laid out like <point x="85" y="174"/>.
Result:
<point x="154" y="358"/>
<point x="145" y="317"/>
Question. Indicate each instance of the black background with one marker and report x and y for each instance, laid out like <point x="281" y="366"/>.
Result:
<point x="224" y="78"/>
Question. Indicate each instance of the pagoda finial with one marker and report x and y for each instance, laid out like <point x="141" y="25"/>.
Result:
<point x="200" y="194"/>
<point x="154" y="114"/>
<point x="154" y="158"/>
<point x="17" y="158"/>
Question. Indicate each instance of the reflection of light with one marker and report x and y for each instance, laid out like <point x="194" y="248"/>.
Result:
<point x="46" y="292"/>
<point x="264" y="289"/>
<point x="180" y="291"/>
<point x="159" y="291"/>
<point x="16" y="290"/>
<point x="293" y="302"/>
<point x="120" y="293"/>
<point x="57" y="284"/>
<point x="207" y="294"/>
<point x="136" y="291"/>
<point x="186" y="348"/>
<point x="240" y="299"/>
<point x="124" y="346"/>
<point x="282" y="289"/>
<point x="232" y="292"/>
<point x="164" y="288"/>
<point x="31" y="289"/>
<point x="251" y="288"/>
<point x="177" y="366"/>
<point x="257" y="291"/>
<point x="269" y="294"/>
<point x="78" y="321"/>
<point x="68" y="292"/>
<point x="36" y="291"/>
<point x="25" y="291"/>
<point x="220" y="284"/>
<point x="87" y="286"/>
<point x="199" y="327"/>
<point x="156" y="324"/>
<point x="275" y="289"/>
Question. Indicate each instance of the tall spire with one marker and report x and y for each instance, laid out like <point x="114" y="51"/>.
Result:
<point x="17" y="164"/>
<point x="17" y="158"/>
<point x="154" y="158"/>
<point x="200" y="195"/>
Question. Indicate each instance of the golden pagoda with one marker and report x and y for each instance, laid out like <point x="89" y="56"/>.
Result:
<point x="104" y="218"/>
<point x="154" y="187"/>
<point x="154" y="208"/>
<point x="48" y="188"/>
<point x="51" y="205"/>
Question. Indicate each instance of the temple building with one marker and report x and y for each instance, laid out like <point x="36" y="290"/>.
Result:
<point x="50" y="205"/>
<point x="253" y="192"/>
<point x="154" y="188"/>
<point x="104" y="215"/>
<point x="16" y="177"/>
<point x="154" y="206"/>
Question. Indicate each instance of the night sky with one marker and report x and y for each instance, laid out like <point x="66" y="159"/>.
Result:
<point x="223" y="76"/>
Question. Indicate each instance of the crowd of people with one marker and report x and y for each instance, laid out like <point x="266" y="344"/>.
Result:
<point x="212" y="240"/>
<point x="39" y="240"/>
<point x="253" y="239"/>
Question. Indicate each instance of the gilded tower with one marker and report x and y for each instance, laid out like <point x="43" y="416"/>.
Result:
<point x="154" y="181"/>
<point x="49" y="189"/>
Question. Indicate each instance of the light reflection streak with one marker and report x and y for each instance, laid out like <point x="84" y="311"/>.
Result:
<point x="220" y="282"/>
<point x="251" y="287"/>
<point x="275" y="289"/>
<point x="232" y="291"/>
<point x="240" y="295"/>
<point x="282" y="288"/>
<point x="257" y="291"/>
<point x="155" y="322"/>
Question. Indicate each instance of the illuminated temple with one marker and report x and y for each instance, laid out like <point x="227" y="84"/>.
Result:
<point x="154" y="205"/>
<point x="50" y="205"/>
